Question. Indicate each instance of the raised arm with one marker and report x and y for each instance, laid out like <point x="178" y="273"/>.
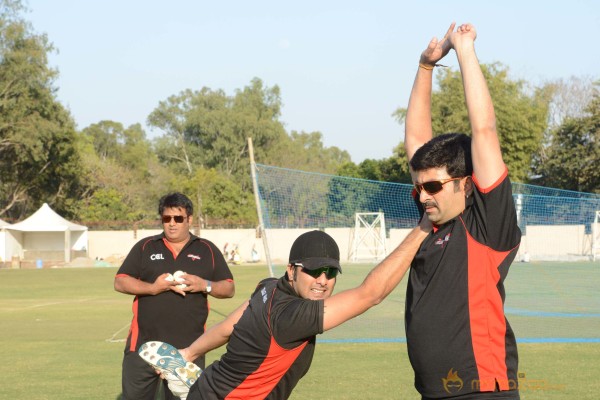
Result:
<point x="379" y="282"/>
<point x="417" y="126"/>
<point x="214" y="337"/>
<point x="485" y="148"/>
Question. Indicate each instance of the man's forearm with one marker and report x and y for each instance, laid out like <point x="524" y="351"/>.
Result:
<point x="214" y="337"/>
<point x="386" y="276"/>
<point x="133" y="286"/>
<point x="377" y="285"/>
<point x="418" y="128"/>
<point x="477" y="95"/>
<point x="486" y="154"/>
<point x="224" y="289"/>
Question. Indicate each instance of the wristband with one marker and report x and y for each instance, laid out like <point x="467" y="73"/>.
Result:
<point x="430" y="67"/>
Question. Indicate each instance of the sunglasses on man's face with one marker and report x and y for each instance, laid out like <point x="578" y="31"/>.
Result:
<point x="178" y="218"/>
<point x="433" y="187"/>
<point x="330" y="272"/>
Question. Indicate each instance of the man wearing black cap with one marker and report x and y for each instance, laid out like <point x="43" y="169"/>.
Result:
<point x="271" y="337"/>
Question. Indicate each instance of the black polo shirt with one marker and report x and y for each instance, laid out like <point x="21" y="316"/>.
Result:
<point x="170" y="317"/>
<point x="270" y="350"/>
<point x="458" y="339"/>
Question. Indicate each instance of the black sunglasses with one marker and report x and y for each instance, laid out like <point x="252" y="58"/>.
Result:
<point x="433" y="187"/>
<point x="330" y="272"/>
<point x="167" y="218"/>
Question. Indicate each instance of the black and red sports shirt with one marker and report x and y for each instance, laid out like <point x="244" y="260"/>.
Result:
<point x="459" y="340"/>
<point x="170" y="317"/>
<point x="270" y="350"/>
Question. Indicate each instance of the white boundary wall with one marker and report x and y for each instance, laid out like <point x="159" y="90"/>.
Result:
<point x="548" y="243"/>
<point x="556" y="242"/>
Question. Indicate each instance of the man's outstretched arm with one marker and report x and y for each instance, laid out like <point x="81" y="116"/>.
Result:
<point x="379" y="282"/>
<point x="487" y="156"/>
<point x="417" y="126"/>
<point x="214" y="337"/>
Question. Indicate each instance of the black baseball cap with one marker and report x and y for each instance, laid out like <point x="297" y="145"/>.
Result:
<point x="315" y="249"/>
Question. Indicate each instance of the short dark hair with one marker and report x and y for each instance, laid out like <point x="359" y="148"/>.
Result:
<point x="450" y="150"/>
<point x="175" y="200"/>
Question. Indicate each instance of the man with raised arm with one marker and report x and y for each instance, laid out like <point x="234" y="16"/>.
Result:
<point x="271" y="337"/>
<point x="460" y="344"/>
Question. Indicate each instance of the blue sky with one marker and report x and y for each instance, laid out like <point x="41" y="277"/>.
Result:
<point x="343" y="67"/>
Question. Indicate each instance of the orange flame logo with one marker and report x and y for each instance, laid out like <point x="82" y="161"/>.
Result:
<point x="452" y="383"/>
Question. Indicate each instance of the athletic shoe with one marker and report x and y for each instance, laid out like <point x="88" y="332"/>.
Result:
<point x="179" y="373"/>
<point x="176" y="385"/>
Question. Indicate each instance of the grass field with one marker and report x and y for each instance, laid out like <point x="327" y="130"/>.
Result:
<point x="61" y="332"/>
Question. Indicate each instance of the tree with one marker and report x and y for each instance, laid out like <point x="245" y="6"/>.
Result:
<point x="120" y="165"/>
<point x="104" y="137"/>
<point x="570" y="98"/>
<point x="521" y="114"/>
<point x="209" y="129"/>
<point x="392" y="169"/>
<point x="218" y="200"/>
<point x="573" y="155"/>
<point x="171" y="116"/>
<point x="128" y="147"/>
<point x="305" y="151"/>
<point x="105" y="205"/>
<point x="38" y="159"/>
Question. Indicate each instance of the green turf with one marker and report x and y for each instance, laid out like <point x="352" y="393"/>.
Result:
<point x="57" y="326"/>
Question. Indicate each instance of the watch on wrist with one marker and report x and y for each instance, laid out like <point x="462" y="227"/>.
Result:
<point x="208" y="286"/>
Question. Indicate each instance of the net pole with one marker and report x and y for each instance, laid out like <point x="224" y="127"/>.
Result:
<point x="261" y="225"/>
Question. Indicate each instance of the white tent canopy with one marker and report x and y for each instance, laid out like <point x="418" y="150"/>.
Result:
<point x="46" y="220"/>
<point x="46" y="232"/>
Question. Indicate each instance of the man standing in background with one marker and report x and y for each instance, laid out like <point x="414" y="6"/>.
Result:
<point x="165" y="308"/>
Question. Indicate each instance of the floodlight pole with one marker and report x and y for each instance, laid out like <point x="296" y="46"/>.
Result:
<point x="261" y="224"/>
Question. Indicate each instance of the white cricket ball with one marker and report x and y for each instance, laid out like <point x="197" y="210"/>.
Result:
<point x="177" y="277"/>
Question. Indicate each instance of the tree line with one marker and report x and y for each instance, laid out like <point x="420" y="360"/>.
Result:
<point x="108" y="175"/>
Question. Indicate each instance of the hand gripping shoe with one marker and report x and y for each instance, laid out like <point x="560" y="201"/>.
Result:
<point x="179" y="373"/>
